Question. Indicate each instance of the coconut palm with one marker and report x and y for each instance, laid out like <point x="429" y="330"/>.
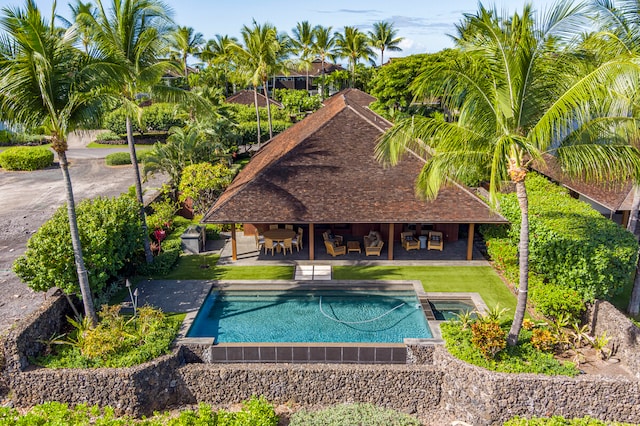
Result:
<point x="303" y="42"/>
<point x="184" y="41"/>
<point x="353" y="45"/>
<point x="76" y="9"/>
<point x="132" y="35"/>
<point x="45" y="81"/>
<point x="324" y="48"/>
<point x="218" y="52"/>
<point x="261" y="57"/>
<point x="383" y="37"/>
<point x="517" y="99"/>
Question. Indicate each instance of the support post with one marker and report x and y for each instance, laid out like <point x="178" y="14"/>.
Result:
<point x="234" y="247"/>
<point x="470" y="241"/>
<point x="312" y="242"/>
<point x="391" y="232"/>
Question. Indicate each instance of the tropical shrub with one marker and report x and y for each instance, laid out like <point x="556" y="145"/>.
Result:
<point x="243" y="113"/>
<point x="169" y="253"/>
<point x="109" y="232"/>
<point x="122" y="158"/>
<point x="26" y="158"/>
<point x="247" y="132"/>
<point x="162" y="214"/>
<point x="159" y="117"/>
<point x="117" y="340"/>
<point x="203" y="183"/>
<point x="352" y="414"/>
<point x="297" y="102"/>
<point x="553" y="300"/>
<point x="109" y="136"/>
<point x="571" y="245"/>
<point x="488" y="337"/>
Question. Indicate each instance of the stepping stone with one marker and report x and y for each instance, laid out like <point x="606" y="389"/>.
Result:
<point x="304" y="273"/>
<point x="322" y="272"/>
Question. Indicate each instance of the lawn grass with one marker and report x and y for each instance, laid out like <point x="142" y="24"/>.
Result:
<point x="189" y="267"/>
<point x="478" y="279"/>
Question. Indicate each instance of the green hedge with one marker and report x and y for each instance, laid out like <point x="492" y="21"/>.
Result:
<point x="26" y="158"/>
<point x="109" y="136"/>
<point x="248" y="131"/>
<point x="9" y="138"/>
<point x="156" y="117"/>
<point x="571" y="245"/>
<point x="122" y="158"/>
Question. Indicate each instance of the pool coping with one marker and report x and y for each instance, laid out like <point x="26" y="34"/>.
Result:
<point x="382" y="285"/>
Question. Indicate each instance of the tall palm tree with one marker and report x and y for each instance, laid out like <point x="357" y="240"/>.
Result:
<point x="354" y="45"/>
<point x="76" y="9"/>
<point x="45" y="81"/>
<point x="324" y="48"/>
<point x="184" y="41"/>
<point x="260" y="57"/>
<point x="383" y="37"/>
<point x="218" y="52"/>
<point x="132" y="35"/>
<point x="517" y="99"/>
<point x="303" y="41"/>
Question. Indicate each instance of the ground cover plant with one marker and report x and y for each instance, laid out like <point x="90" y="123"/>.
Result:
<point x="477" y="279"/>
<point x="255" y="411"/>
<point x="561" y="421"/>
<point x="352" y="414"/>
<point x="26" y="158"/>
<point x="116" y="341"/>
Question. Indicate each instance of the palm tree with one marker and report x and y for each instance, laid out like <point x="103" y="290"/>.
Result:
<point x="132" y="35"/>
<point x="218" y="52"/>
<point x="325" y="48"/>
<point x="45" y="81"/>
<point x="383" y="37"/>
<point x="185" y="41"/>
<point x="85" y="32"/>
<point x="353" y="45"/>
<point x="518" y="99"/>
<point x="303" y="42"/>
<point x="261" y="57"/>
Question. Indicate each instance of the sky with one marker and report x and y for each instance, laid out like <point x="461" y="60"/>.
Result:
<point x="424" y="24"/>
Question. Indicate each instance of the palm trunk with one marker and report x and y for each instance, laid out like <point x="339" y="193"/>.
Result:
<point x="83" y="277"/>
<point x="523" y="286"/>
<point x="322" y="80"/>
<point x="268" y="110"/>
<point x="307" y="81"/>
<point x="633" y="308"/>
<point x="381" y="56"/>
<point x="255" y="100"/>
<point x="148" y="255"/>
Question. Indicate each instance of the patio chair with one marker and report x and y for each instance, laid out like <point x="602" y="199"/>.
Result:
<point x="297" y="240"/>
<point x="435" y="241"/>
<point x="374" y="250"/>
<point x="259" y="241"/>
<point x="273" y="226"/>
<point x="409" y="242"/>
<point x="286" y="245"/>
<point x="336" y="239"/>
<point x="335" y="250"/>
<point x="269" y="244"/>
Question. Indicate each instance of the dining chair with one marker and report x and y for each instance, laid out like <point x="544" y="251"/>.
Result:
<point x="259" y="241"/>
<point x="287" y="245"/>
<point x="288" y="227"/>
<point x="269" y="244"/>
<point x="297" y="240"/>
<point x="273" y="226"/>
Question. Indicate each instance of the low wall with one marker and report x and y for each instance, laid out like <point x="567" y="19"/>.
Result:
<point x="433" y="385"/>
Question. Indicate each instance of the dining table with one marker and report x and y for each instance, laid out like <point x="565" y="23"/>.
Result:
<point x="279" y="235"/>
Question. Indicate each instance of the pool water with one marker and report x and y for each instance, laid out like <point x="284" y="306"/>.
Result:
<point x="445" y="310"/>
<point x="310" y="316"/>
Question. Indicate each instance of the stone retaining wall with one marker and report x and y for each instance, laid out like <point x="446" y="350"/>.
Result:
<point x="443" y="388"/>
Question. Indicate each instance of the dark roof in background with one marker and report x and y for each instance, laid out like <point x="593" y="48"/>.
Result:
<point x="247" y="97"/>
<point x="614" y="196"/>
<point x="323" y="170"/>
<point x="315" y="70"/>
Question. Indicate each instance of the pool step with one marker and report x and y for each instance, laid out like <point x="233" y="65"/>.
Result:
<point x="312" y="272"/>
<point x="426" y="307"/>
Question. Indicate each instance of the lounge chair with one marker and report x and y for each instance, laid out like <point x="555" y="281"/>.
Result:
<point x="336" y="239"/>
<point x="374" y="250"/>
<point x="434" y="242"/>
<point x="335" y="250"/>
<point x="409" y="242"/>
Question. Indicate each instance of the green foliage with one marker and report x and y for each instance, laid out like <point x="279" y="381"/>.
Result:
<point x="297" y="102"/>
<point x="9" y="138"/>
<point x="170" y="251"/>
<point x="163" y="212"/>
<point x="26" y="158"/>
<point x="552" y="300"/>
<point x="117" y="341"/>
<point x="158" y="117"/>
<point x="255" y="412"/>
<point x="203" y="183"/>
<point x="488" y="337"/>
<point x="108" y="136"/>
<point x="109" y="232"/>
<point x="239" y="113"/>
<point x="561" y="421"/>
<point x="352" y="414"/>
<point x="571" y="245"/>
<point x="247" y="132"/>
<point x="122" y="158"/>
<point x="522" y="358"/>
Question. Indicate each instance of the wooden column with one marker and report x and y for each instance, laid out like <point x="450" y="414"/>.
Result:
<point x="234" y="247"/>
<point x="391" y="232"/>
<point x="470" y="241"/>
<point x="312" y="242"/>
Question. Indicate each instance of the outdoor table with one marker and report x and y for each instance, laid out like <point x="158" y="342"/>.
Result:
<point x="279" y="235"/>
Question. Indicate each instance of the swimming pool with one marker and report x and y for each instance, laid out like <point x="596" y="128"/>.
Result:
<point x="325" y="315"/>
<point x="445" y="310"/>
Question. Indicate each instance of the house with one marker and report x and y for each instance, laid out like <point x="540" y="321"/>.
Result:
<point x="247" y="97"/>
<point x="613" y="200"/>
<point x="297" y="79"/>
<point x="322" y="173"/>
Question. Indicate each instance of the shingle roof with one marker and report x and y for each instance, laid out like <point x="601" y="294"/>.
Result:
<point x="323" y="170"/>
<point x="613" y="196"/>
<point x="315" y="70"/>
<point x="246" y="97"/>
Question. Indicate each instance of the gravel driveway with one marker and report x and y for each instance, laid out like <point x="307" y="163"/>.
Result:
<point x="28" y="199"/>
